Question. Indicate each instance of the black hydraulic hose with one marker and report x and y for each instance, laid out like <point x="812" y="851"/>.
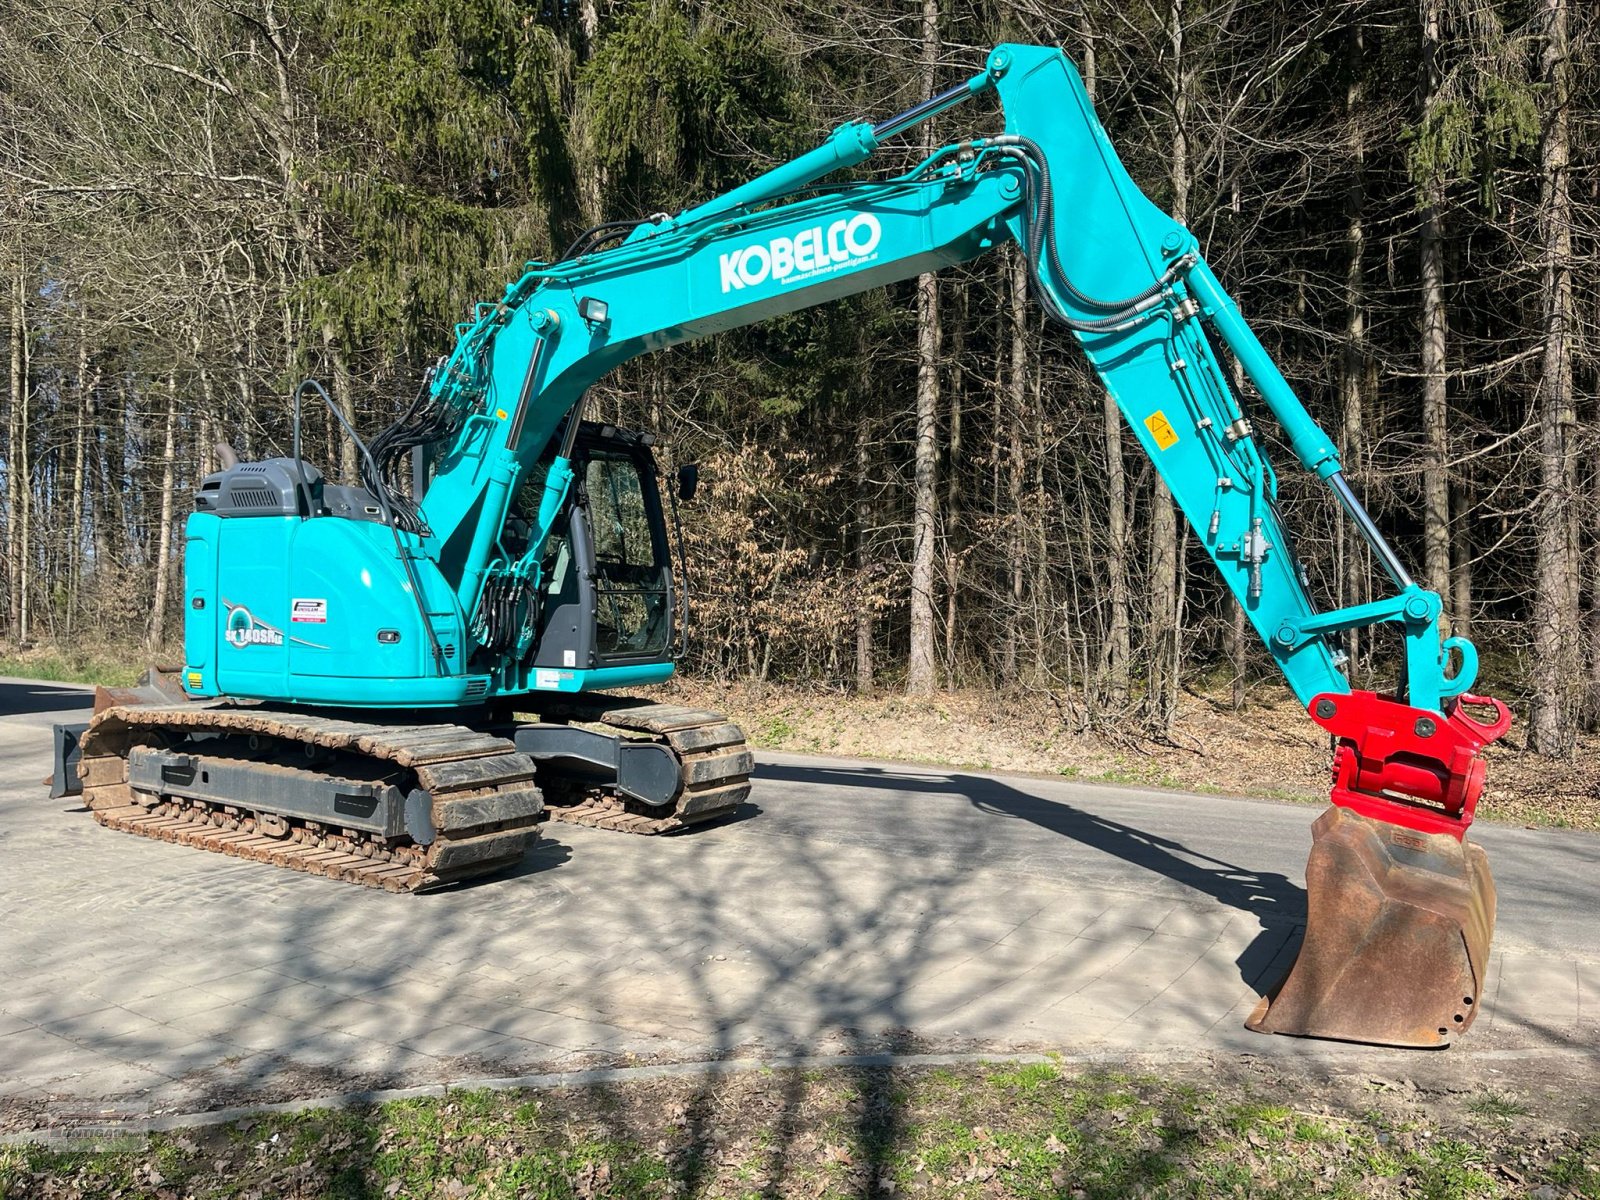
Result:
<point x="586" y="240"/>
<point x="1038" y="221"/>
<point x="1047" y="232"/>
<point x="381" y="494"/>
<point x="424" y="422"/>
<point x="1041" y="242"/>
<point x="395" y="440"/>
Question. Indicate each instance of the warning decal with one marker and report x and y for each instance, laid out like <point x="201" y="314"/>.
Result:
<point x="1161" y="429"/>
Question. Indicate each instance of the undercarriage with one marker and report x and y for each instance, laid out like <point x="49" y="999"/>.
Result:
<point x="392" y="802"/>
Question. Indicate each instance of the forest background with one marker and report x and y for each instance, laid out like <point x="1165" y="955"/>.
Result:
<point x="921" y="488"/>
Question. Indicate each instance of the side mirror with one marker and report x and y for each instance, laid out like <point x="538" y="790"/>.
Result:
<point x="688" y="481"/>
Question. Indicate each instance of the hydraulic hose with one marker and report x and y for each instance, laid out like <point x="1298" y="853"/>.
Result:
<point x="1041" y="246"/>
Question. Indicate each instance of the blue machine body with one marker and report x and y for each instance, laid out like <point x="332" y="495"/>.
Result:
<point x="317" y="608"/>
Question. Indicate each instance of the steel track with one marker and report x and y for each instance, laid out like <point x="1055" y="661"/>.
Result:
<point x="484" y="803"/>
<point x="716" y="766"/>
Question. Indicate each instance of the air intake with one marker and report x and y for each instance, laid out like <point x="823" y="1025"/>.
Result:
<point x="252" y="498"/>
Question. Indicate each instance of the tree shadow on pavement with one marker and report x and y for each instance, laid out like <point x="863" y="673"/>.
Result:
<point x="713" y="944"/>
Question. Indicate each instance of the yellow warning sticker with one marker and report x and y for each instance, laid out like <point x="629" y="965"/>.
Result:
<point x="1161" y="429"/>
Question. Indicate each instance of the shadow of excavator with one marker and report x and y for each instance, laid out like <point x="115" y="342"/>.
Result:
<point x="1276" y="902"/>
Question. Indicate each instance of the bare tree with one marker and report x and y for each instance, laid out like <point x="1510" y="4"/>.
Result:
<point x="921" y="665"/>
<point x="158" y="606"/>
<point x="1434" y="334"/>
<point x="1556" y="667"/>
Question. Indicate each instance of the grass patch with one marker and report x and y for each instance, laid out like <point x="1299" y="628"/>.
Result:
<point x="1496" y="1104"/>
<point x="1029" y="1131"/>
<point x="111" y="667"/>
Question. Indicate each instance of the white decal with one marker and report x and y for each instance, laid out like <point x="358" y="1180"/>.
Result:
<point x="308" y="612"/>
<point x="245" y="629"/>
<point x="811" y="252"/>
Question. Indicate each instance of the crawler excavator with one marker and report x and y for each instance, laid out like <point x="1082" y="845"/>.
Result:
<point x="354" y="655"/>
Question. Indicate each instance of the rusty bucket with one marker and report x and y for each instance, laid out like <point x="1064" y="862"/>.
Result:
<point x="1397" y="937"/>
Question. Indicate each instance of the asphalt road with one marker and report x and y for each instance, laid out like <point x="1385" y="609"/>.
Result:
<point x="1244" y="853"/>
<point x="849" y="903"/>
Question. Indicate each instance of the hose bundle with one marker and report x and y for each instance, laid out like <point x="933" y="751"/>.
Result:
<point x="425" y="422"/>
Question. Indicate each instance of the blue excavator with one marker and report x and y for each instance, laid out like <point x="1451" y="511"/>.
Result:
<point x="393" y="681"/>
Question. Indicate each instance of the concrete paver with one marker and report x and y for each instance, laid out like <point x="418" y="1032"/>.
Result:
<point x="1588" y="993"/>
<point x="860" y="901"/>
<point x="1535" y="993"/>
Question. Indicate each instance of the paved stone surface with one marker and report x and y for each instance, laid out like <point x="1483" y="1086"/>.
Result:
<point x="852" y="903"/>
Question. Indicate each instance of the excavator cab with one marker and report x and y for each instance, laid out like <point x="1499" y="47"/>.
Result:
<point x="607" y="590"/>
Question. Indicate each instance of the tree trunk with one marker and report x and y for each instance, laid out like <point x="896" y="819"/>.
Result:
<point x="1043" y="598"/>
<point x="23" y="465"/>
<point x="24" y="482"/>
<point x="1555" y="615"/>
<point x="1088" y="40"/>
<point x="1119" y="638"/>
<point x="86" y="390"/>
<point x="590" y="175"/>
<point x="1459" y="603"/>
<point x="1117" y="653"/>
<point x="865" y="617"/>
<point x="588" y="28"/>
<point x="14" y="436"/>
<point x="1434" y="330"/>
<point x="952" y="494"/>
<point x="920" y="668"/>
<point x="158" y="606"/>
<point x="349" y="471"/>
<point x="1354" y="561"/>
<point x="1594" y="602"/>
<point x="1016" y="399"/>
<point x="1162" y="640"/>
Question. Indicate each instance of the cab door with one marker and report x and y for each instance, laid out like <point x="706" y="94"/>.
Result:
<point x="630" y="564"/>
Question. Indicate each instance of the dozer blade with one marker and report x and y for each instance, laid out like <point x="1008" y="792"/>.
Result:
<point x="1397" y="937"/>
<point x="157" y="685"/>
